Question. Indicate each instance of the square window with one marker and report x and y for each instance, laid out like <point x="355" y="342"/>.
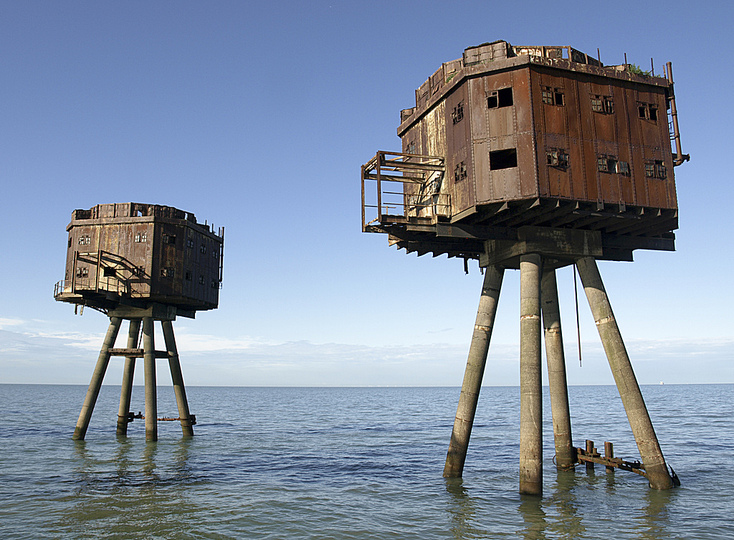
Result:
<point x="460" y="172"/>
<point x="503" y="159"/>
<point x="457" y="115"/>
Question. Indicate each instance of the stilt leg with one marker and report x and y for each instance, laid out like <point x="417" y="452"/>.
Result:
<point x="177" y="378"/>
<point x="531" y="398"/>
<point x="624" y="376"/>
<point x="93" y="391"/>
<point x="473" y="373"/>
<point x="565" y="453"/>
<point x="127" y="378"/>
<point x="151" y="399"/>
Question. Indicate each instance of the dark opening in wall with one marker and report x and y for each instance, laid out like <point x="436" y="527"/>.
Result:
<point x="500" y="98"/>
<point x="503" y="159"/>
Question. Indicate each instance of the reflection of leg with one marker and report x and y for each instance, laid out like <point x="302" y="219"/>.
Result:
<point x="565" y="454"/>
<point x="127" y="378"/>
<point x="151" y="399"/>
<point x="96" y="383"/>
<point x="624" y="376"/>
<point x="177" y="378"/>
<point x="474" y="373"/>
<point x="531" y="399"/>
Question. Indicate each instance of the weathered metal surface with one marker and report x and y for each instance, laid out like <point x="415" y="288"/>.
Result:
<point x="133" y="253"/>
<point x="546" y="136"/>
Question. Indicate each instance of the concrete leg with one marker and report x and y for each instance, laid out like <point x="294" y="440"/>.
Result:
<point x="473" y="373"/>
<point x="151" y="398"/>
<point x="97" y="377"/>
<point x="177" y="378"/>
<point x="565" y="452"/>
<point x="133" y="338"/>
<point x="531" y="398"/>
<point x="624" y="376"/>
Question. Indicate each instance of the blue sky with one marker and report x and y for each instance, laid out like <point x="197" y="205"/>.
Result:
<point x="257" y="117"/>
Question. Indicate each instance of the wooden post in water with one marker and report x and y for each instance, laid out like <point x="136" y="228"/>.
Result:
<point x="151" y="398"/>
<point x="177" y="378"/>
<point x="624" y="376"/>
<point x="97" y="377"/>
<point x="128" y="373"/>
<point x="565" y="452"/>
<point x="474" y="373"/>
<point x="609" y="454"/>
<point x="531" y="398"/>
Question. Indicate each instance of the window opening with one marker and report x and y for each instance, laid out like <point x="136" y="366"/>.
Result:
<point x="647" y="111"/>
<point x="190" y="242"/>
<point x="553" y="96"/>
<point x="169" y="239"/>
<point x="656" y="169"/>
<point x="109" y="272"/>
<point x="82" y="272"/>
<point x="167" y="272"/>
<point x="141" y="237"/>
<point x="556" y="157"/>
<point x="503" y="159"/>
<point x="457" y="115"/>
<point x="201" y="279"/>
<point x="460" y="172"/>
<point x="85" y="240"/>
<point x="203" y="248"/>
<point x="602" y="104"/>
<point x="500" y="98"/>
<point x="187" y="275"/>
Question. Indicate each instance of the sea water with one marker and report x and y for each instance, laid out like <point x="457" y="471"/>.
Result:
<point x="349" y="463"/>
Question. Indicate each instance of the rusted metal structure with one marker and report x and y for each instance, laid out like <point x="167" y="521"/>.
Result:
<point x="535" y="158"/>
<point x="141" y="263"/>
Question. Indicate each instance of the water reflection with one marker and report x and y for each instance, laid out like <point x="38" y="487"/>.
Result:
<point x="654" y="522"/>
<point x="462" y="511"/>
<point x="534" y="518"/>
<point x="133" y="489"/>
<point x="563" y="502"/>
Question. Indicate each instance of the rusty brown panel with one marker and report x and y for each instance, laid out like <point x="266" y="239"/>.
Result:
<point x="589" y="172"/>
<point x="480" y="162"/>
<point x="521" y="81"/>
<point x="477" y="111"/>
<point x="458" y="150"/>
<point x="526" y="169"/>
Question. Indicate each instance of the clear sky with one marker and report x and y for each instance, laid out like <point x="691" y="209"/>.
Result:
<point x="256" y="116"/>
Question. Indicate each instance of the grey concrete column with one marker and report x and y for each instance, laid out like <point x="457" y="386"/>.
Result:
<point x="177" y="378"/>
<point x="133" y="337"/>
<point x="474" y="373"/>
<point x="565" y="452"/>
<point x="624" y="376"/>
<point x="151" y="398"/>
<point x="97" y="377"/>
<point x="531" y="397"/>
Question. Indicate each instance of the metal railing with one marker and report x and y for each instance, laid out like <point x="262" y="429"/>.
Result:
<point x="406" y="187"/>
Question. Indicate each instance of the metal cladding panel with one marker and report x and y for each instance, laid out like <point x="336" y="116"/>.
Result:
<point x="459" y="167"/>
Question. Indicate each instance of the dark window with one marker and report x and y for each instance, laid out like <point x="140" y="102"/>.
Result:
<point x="460" y="172"/>
<point x="602" y="104"/>
<point x="623" y="168"/>
<point x="169" y="239"/>
<point x="503" y="159"/>
<point x="410" y="149"/>
<point x="167" y="271"/>
<point x="69" y="241"/>
<point x="457" y="115"/>
<point x="647" y="111"/>
<point x="553" y="96"/>
<point x="187" y="275"/>
<point x="190" y="242"/>
<point x="500" y="98"/>
<point x="556" y="157"/>
<point x="138" y="271"/>
<point x="215" y="284"/>
<point x="201" y="279"/>
<point x="203" y="248"/>
<point x="85" y="240"/>
<point x="82" y="272"/>
<point x="109" y="272"/>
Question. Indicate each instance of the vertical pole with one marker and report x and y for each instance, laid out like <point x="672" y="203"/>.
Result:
<point x="474" y="373"/>
<point x="609" y="453"/>
<point x="97" y="377"/>
<point x="177" y="378"/>
<point x="531" y="398"/>
<point x="133" y="336"/>
<point x="565" y="452"/>
<point x="151" y="400"/>
<point x="624" y="376"/>
<point x="590" y="451"/>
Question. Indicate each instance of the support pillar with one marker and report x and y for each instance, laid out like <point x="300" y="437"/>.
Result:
<point x="629" y="391"/>
<point x="565" y="452"/>
<point x="177" y="378"/>
<point x="474" y="373"/>
<point x="133" y="338"/>
<point x="531" y="398"/>
<point x="151" y="399"/>
<point x="97" y="377"/>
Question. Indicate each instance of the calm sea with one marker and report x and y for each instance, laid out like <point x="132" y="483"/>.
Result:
<point x="352" y="463"/>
